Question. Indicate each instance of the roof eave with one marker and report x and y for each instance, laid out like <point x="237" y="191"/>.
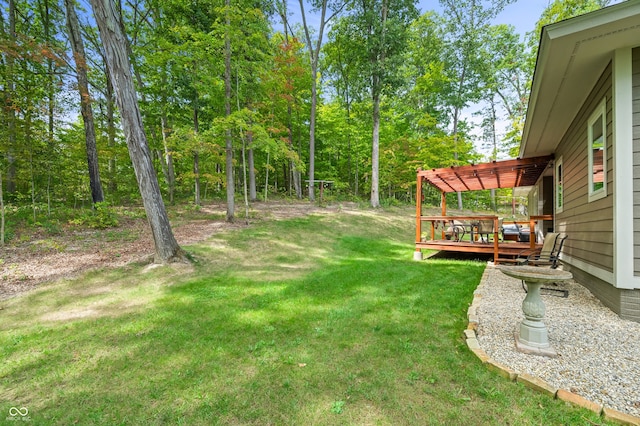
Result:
<point x="572" y="55"/>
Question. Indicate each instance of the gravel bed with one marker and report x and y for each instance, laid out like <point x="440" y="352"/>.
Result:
<point x="598" y="353"/>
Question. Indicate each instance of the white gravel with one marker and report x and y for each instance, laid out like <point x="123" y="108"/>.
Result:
<point x="598" y="353"/>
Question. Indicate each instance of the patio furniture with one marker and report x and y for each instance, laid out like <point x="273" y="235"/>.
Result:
<point x="550" y="260"/>
<point x="486" y="230"/>
<point x="455" y="230"/>
<point x="514" y="232"/>
<point x="547" y="255"/>
<point x="524" y="234"/>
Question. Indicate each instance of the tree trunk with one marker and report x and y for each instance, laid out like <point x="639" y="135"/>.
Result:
<point x="245" y="188"/>
<point x="314" y="55"/>
<point x="9" y="104"/>
<point x="196" y="173"/>
<point x="253" y="196"/>
<point x="113" y="40"/>
<point x="170" y="175"/>
<point x="455" y="152"/>
<point x="376" y="90"/>
<point x="456" y="117"/>
<point x="85" y="102"/>
<point x="111" y="133"/>
<point x="494" y="154"/>
<point x="196" y="153"/>
<point x="312" y="133"/>
<point x="45" y="14"/>
<point x="266" y="179"/>
<point x="1" y="211"/>
<point x="227" y="105"/>
<point x="295" y="173"/>
<point x="375" y="152"/>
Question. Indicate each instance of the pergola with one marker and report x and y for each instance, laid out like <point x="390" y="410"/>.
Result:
<point x="513" y="173"/>
<point x="496" y="174"/>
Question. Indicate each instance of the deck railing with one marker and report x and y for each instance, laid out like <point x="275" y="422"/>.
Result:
<point x="470" y="225"/>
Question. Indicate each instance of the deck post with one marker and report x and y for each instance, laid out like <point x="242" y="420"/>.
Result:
<point x="417" y="255"/>
<point x="496" y="244"/>
<point x="532" y="233"/>
<point x="443" y="205"/>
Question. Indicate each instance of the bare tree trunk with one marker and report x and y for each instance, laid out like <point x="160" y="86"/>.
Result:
<point x="9" y="104"/>
<point x="113" y="40"/>
<point x="196" y="153"/>
<point x="196" y="173"/>
<point x="253" y="196"/>
<point x="1" y="211"/>
<point x="295" y="175"/>
<point x="375" y="153"/>
<point x="227" y="105"/>
<point x="245" y="188"/>
<point x="494" y="155"/>
<point x="455" y="152"/>
<point x="266" y="180"/>
<point x="45" y="16"/>
<point x="85" y="102"/>
<point x="314" y="55"/>
<point x="170" y="175"/>
<point x="29" y="143"/>
<point x="111" y="132"/>
<point x="376" y="89"/>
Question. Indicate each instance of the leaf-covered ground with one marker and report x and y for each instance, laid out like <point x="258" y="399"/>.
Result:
<point x="37" y="257"/>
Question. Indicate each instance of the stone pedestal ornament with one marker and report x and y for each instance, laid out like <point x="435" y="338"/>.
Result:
<point x="533" y="337"/>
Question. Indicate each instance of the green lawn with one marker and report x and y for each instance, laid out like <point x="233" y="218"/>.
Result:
<point x="318" y="320"/>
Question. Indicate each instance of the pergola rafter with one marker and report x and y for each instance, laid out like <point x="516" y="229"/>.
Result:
<point x="496" y="174"/>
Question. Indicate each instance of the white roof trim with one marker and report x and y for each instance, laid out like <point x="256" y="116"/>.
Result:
<point x="571" y="57"/>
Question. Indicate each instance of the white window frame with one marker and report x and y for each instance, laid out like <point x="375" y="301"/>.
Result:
<point x="559" y="186"/>
<point x="600" y="113"/>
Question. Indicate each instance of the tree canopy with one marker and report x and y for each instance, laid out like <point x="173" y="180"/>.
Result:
<point x="242" y="98"/>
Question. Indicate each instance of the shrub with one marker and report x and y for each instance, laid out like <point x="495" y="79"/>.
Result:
<point x="101" y="217"/>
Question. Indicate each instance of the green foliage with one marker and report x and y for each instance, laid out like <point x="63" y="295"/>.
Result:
<point x="101" y="217"/>
<point x="424" y="69"/>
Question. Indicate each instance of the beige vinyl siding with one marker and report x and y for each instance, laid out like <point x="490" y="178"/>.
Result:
<point x="636" y="159"/>
<point x="589" y="225"/>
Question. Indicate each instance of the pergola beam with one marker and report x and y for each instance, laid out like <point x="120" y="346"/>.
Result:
<point x="496" y="174"/>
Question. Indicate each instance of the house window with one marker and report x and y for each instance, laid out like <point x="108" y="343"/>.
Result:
<point x="559" y="182"/>
<point x="597" y="149"/>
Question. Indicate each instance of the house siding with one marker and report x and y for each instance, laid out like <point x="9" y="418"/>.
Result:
<point x="625" y="303"/>
<point x="636" y="159"/>
<point x="581" y="218"/>
<point x="589" y="225"/>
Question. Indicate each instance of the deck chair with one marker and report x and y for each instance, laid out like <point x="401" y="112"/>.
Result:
<point x="553" y="258"/>
<point x="485" y="229"/>
<point x="552" y="262"/>
<point x="545" y="256"/>
<point x="455" y="230"/>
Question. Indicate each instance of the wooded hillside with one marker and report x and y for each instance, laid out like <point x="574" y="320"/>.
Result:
<point x="249" y="98"/>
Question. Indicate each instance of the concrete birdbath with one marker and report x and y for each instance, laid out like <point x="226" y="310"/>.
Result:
<point x="533" y="337"/>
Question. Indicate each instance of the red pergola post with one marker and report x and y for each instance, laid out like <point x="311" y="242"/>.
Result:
<point x="418" y="253"/>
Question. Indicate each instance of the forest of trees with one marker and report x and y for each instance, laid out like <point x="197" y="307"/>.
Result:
<point x="239" y="99"/>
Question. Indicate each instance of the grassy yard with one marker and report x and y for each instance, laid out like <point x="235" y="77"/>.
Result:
<point x="318" y="320"/>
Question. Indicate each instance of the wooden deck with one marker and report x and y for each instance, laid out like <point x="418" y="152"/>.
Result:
<point x="506" y="249"/>
<point x="435" y="237"/>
